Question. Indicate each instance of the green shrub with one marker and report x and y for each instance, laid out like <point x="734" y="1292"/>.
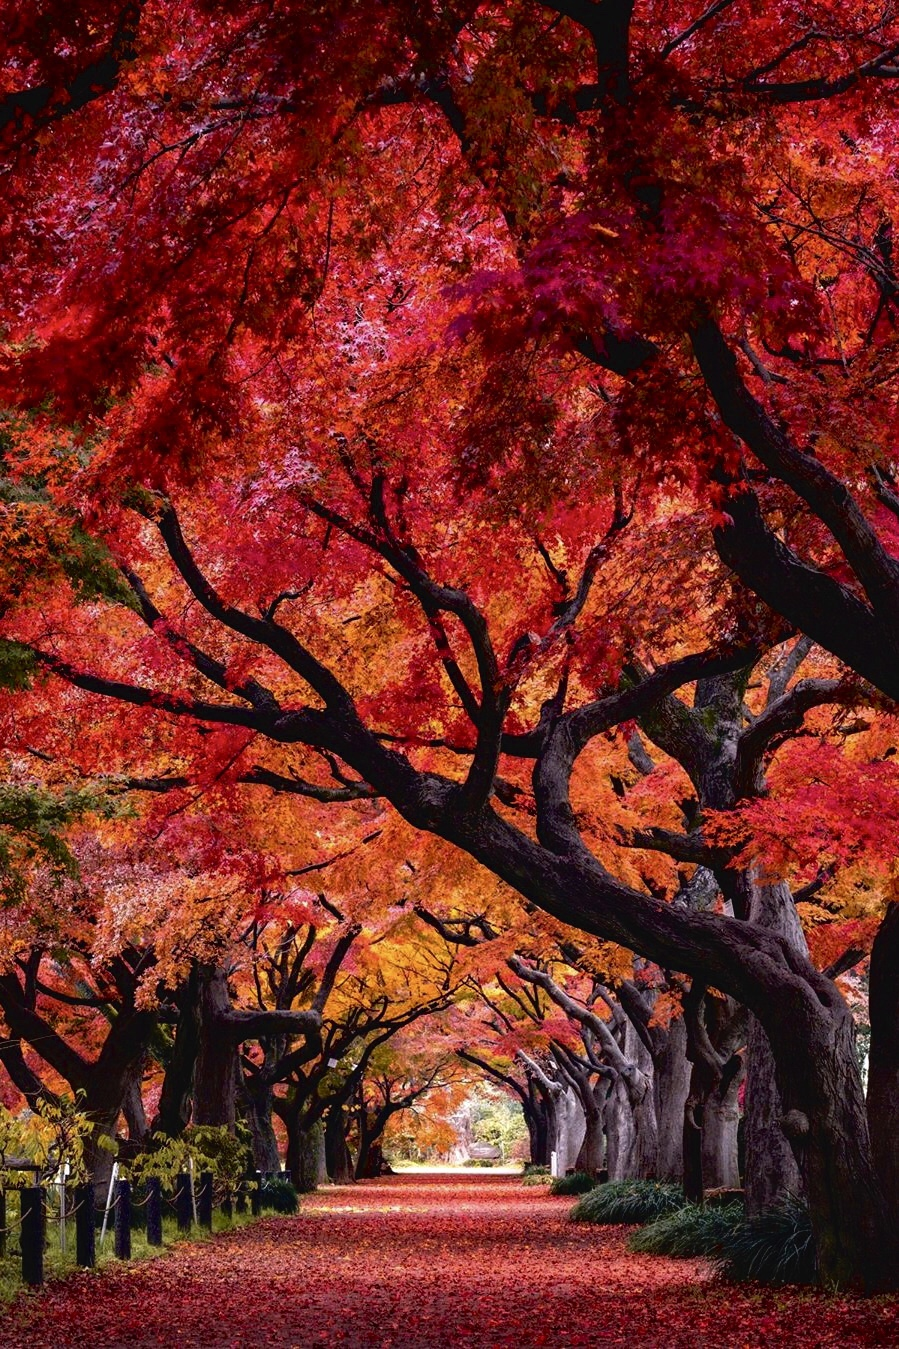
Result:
<point x="534" y="1169"/>
<point x="776" y="1247"/>
<point x="579" y="1182"/>
<point x="541" y="1177"/>
<point x="628" y="1201"/>
<point x="278" y="1194"/>
<point x="688" y="1231"/>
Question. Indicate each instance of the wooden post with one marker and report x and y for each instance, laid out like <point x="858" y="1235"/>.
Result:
<point x="31" y="1234"/>
<point x="85" y="1230"/>
<point x="184" y="1204"/>
<point x="242" y="1197"/>
<point x="154" y="1211"/>
<point x="256" y="1195"/>
<point x="204" y="1200"/>
<point x="123" y="1219"/>
<point x="2" y="1223"/>
<point x="228" y="1205"/>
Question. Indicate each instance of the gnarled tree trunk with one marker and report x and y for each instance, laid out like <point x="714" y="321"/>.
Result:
<point x="883" y="1064"/>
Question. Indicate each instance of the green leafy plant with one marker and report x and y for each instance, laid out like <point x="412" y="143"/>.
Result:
<point x="628" y="1201"/>
<point x="209" y="1147"/>
<point x="775" y="1247"/>
<point x="57" y="1133"/>
<point x="579" y="1182"/>
<point x="278" y="1194"/>
<point x="693" y="1230"/>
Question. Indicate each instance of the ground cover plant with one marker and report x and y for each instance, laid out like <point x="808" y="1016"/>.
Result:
<point x="577" y="1183"/>
<point x="628" y="1201"/>
<point x="690" y="1231"/>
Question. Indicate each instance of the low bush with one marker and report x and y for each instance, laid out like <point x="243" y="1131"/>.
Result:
<point x="278" y="1194"/>
<point x="776" y="1247"/>
<point x="536" y="1178"/>
<point x="534" y="1169"/>
<point x="628" y="1201"/>
<point x="688" y="1231"/>
<point x="579" y="1182"/>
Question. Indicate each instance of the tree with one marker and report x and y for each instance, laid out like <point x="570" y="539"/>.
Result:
<point x="625" y="231"/>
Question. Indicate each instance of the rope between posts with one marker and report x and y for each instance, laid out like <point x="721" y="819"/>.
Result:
<point x="12" y="1227"/>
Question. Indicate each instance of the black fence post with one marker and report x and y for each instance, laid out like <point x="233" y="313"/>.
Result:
<point x="204" y="1201"/>
<point x="256" y="1195"/>
<point x="31" y="1234"/>
<point x="228" y="1205"/>
<point x="85" y="1228"/>
<point x="184" y="1202"/>
<point x="242" y="1196"/>
<point x="123" y="1219"/>
<point x="154" y="1211"/>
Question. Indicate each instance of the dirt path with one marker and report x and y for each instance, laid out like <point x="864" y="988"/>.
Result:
<point x="429" y="1262"/>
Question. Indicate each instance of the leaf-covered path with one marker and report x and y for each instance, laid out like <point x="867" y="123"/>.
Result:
<point x="427" y="1261"/>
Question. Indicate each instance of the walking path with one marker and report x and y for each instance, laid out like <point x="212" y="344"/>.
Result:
<point x="429" y="1262"/>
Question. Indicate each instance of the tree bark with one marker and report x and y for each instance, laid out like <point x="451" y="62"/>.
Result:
<point x="883" y="1064"/>
<point x="216" y="1079"/>
<point x="176" y="1097"/>
<point x="671" y="1084"/>
<point x="337" y="1154"/>
<point x="772" y="1172"/>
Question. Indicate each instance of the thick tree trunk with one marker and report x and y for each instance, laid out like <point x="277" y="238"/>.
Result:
<point x="216" y="1080"/>
<point x="591" y="1157"/>
<point x="671" y="1084"/>
<point x="720" y="1129"/>
<point x="883" y="1064"/>
<point x="569" y="1127"/>
<point x="337" y="1154"/>
<point x="620" y="1133"/>
<point x="826" y="1121"/>
<point x="176" y="1098"/>
<point x="645" y="1159"/>
<point x="772" y="1172"/>
<point x="535" y="1117"/>
<point x="259" y="1097"/>
<point x="133" y="1106"/>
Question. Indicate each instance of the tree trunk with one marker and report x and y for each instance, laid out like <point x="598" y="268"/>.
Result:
<point x="337" y="1154"/>
<point x="720" y="1128"/>
<point x="671" y="1084"/>
<point x="215" y="1084"/>
<point x="883" y="1064"/>
<point x="259" y="1097"/>
<point x="620" y="1133"/>
<point x="570" y="1127"/>
<point x="535" y="1117"/>
<point x="826" y="1121"/>
<point x="591" y="1157"/>
<point x="133" y="1107"/>
<point x="645" y="1159"/>
<point x="772" y="1172"/>
<point x="176" y="1098"/>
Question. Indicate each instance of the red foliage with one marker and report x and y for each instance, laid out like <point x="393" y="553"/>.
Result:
<point x="426" y="1262"/>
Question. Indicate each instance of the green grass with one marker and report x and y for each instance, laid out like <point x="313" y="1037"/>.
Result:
<point x="58" y="1265"/>
<point x="628" y="1201"/>
<point x="776" y="1248"/>
<point x="688" y="1231"/>
<point x="579" y="1182"/>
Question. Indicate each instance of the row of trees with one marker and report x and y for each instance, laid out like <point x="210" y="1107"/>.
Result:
<point x="405" y="405"/>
